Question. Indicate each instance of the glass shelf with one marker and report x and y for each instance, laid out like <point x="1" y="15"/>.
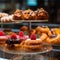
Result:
<point x="21" y="21"/>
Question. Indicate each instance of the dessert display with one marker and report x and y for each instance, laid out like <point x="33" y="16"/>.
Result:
<point x="3" y="37"/>
<point x="29" y="14"/>
<point x="27" y="41"/>
<point x="32" y="40"/>
<point x="30" y="47"/>
<point x="45" y="34"/>
<point x="32" y="44"/>
<point x="39" y="14"/>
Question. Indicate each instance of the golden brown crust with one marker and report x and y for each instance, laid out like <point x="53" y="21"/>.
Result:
<point x="32" y="48"/>
<point x="18" y="15"/>
<point x="55" y="40"/>
<point x="31" y="42"/>
<point x="38" y="30"/>
<point x="45" y="30"/>
<point x="42" y="14"/>
<point x="43" y="36"/>
<point x="15" y="47"/>
<point x="56" y="30"/>
<point x="26" y="14"/>
<point x="32" y="45"/>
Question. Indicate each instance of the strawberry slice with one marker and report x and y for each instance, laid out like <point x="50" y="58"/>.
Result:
<point x="2" y="33"/>
<point x="33" y="37"/>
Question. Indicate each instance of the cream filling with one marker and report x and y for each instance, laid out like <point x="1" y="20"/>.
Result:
<point x="35" y="40"/>
<point x="3" y="37"/>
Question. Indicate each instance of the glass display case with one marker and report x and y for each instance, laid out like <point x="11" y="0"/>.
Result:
<point x="48" y="51"/>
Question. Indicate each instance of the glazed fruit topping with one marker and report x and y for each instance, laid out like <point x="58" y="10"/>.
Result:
<point x="2" y="33"/>
<point x="21" y="33"/>
<point x="33" y="37"/>
<point x="53" y="36"/>
<point x="13" y="36"/>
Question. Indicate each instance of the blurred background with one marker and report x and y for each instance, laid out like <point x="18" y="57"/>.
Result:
<point x="51" y="6"/>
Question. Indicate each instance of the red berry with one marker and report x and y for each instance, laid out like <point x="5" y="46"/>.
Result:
<point x="13" y="36"/>
<point x="21" y="33"/>
<point x="33" y="37"/>
<point x="2" y="33"/>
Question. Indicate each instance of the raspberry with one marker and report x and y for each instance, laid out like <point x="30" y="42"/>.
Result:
<point x="13" y="36"/>
<point x="2" y="33"/>
<point x="33" y="37"/>
<point x="21" y="33"/>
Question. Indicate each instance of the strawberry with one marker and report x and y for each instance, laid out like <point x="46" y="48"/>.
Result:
<point x="33" y="37"/>
<point x="21" y="33"/>
<point x="13" y="36"/>
<point x="2" y="33"/>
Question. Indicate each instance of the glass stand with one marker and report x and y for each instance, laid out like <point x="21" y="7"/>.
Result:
<point x="23" y="55"/>
<point x="28" y="57"/>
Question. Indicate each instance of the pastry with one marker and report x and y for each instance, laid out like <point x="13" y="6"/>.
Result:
<point x="32" y="44"/>
<point x="38" y="30"/>
<point x="13" y="40"/>
<point x="33" y="15"/>
<point x="26" y="14"/>
<point x="3" y="14"/>
<point x="3" y="37"/>
<point x="42" y="14"/>
<point x="43" y="37"/>
<point x="56" y="30"/>
<point x="40" y="34"/>
<point x="18" y="15"/>
<point x="7" y="19"/>
<point x="54" y="39"/>
<point x="45" y="30"/>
